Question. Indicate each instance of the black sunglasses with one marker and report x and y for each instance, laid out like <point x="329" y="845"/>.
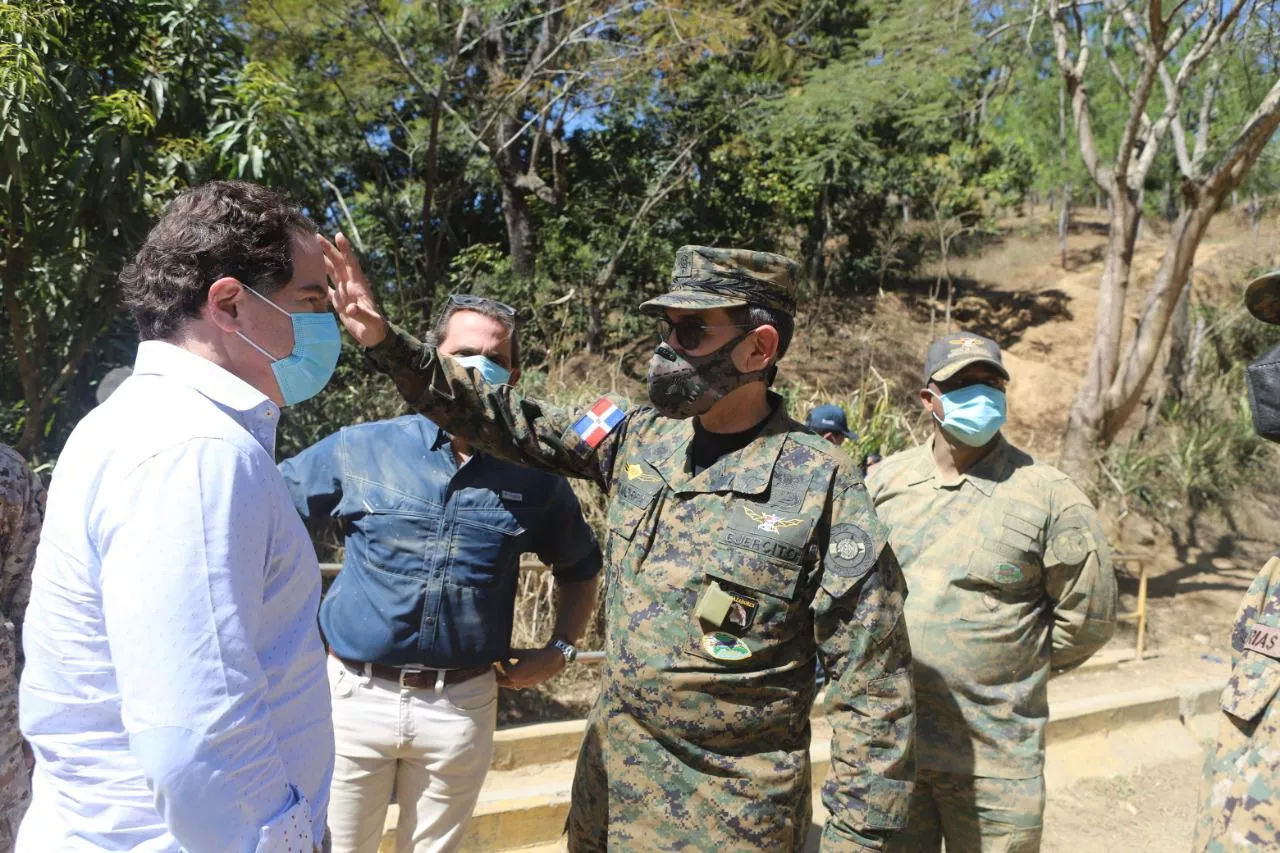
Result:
<point x="691" y="331"/>
<point x="466" y="300"/>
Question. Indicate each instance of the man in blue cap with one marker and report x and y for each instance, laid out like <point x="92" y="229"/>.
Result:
<point x="830" y="422"/>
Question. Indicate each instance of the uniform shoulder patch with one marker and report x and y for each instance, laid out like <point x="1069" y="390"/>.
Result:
<point x="1072" y="545"/>
<point x="850" y="551"/>
<point x="598" y="421"/>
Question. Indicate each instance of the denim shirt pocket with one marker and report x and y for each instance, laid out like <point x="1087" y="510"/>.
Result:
<point x="486" y="546"/>
<point x="399" y="530"/>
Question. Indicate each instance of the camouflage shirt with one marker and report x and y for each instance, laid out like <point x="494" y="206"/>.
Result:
<point x="1240" y="796"/>
<point x="723" y="588"/>
<point x="21" y="512"/>
<point x="998" y="562"/>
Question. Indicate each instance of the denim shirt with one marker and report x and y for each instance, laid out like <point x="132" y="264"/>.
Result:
<point x="432" y="549"/>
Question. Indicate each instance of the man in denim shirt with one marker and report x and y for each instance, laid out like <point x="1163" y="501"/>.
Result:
<point x="423" y="607"/>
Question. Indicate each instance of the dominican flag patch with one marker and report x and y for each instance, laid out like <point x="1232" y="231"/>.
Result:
<point x="598" y="422"/>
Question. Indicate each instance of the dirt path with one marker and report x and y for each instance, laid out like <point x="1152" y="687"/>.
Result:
<point x="1152" y="811"/>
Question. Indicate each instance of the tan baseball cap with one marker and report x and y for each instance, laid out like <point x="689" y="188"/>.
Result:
<point x="948" y="356"/>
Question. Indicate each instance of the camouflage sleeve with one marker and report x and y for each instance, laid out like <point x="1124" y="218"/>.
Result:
<point x="498" y="419"/>
<point x="875" y="482"/>
<point x="1080" y="581"/>
<point x="870" y="702"/>
<point x="22" y="497"/>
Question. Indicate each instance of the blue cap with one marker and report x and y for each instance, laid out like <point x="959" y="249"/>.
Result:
<point x="830" y="418"/>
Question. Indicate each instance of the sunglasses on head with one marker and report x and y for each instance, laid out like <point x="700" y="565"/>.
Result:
<point x="466" y="300"/>
<point x="691" y="331"/>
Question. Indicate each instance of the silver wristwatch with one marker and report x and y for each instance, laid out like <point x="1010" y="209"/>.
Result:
<point x="569" y="650"/>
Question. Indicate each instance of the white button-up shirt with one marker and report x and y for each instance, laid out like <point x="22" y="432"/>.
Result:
<point x="175" y="691"/>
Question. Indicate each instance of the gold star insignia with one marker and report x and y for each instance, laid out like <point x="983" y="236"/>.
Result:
<point x="637" y="472"/>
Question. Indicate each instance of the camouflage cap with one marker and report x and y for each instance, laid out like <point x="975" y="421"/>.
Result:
<point x="1262" y="297"/>
<point x="703" y="277"/>
<point x="948" y="356"/>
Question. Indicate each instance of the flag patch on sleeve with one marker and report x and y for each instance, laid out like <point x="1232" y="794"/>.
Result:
<point x="598" y="422"/>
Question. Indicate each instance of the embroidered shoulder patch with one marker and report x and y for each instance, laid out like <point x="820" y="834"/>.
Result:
<point x="600" y="420"/>
<point x="850" y="552"/>
<point x="1073" y="545"/>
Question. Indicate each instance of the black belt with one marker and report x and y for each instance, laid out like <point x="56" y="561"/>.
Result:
<point x="415" y="676"/>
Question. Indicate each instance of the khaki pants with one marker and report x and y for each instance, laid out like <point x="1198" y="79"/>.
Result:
<point x="973" y="814"/>
<point x="432" y="749"/>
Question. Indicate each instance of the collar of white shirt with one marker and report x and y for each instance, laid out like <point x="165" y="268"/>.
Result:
<point x="247" y="405"/>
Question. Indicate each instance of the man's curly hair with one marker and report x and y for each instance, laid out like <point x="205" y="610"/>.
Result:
<point x="221" y="229"/>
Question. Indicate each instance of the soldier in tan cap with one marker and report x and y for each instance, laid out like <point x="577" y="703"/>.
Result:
<point x="1009" y="574"/>
<point x="741" y="548"/>
<point x="1240" y="796"/>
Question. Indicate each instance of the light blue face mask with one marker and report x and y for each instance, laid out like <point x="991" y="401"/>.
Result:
<point x="491" y="371"/>
<point x="317" y="343"/>
<point x="973" y="414"/>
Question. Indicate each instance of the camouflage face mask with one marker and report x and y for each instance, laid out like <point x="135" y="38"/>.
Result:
<point x="682" y="386"/>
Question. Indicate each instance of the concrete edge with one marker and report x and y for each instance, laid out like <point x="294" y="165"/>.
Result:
<point x="1074" y="718"/>
<point x="538" y="743"/>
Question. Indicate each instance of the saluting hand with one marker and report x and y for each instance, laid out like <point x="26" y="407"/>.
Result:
<point x="351" y="295"/>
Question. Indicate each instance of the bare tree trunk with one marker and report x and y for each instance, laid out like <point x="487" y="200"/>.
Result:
<point x="950" y="300"/>
<point x="430" y="246"/>
<point x="520" y="234"/>
<point x="1085" y="420"/>
<point x="1064" y="222"/>
<point x="1170" y="280"/>
<point x="595" y="323"/>
<point x="1112" y="389"/>
<point x="1193" y="357"/>
<point x="933" y="304"/>
<point x="1176" y="369"/>
<point x="818" y="237"/>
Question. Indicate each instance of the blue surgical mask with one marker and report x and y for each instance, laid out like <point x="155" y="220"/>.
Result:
<point x="491" y="371"/>
<point x="317" y="343"/>
<point x="973" y="414"/>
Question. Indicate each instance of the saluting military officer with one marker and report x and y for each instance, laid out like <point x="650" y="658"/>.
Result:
<point x="1009" y="574"/>
<point x="1240" y="795"/>
<point x="740" y="548"/>
<point x="21" y="512"/>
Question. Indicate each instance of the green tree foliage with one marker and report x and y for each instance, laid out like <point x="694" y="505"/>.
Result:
<point x="106" y="109"/>
<point x="550" y="155"/>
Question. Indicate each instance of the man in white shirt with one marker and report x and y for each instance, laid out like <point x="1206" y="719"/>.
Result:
<point x="174" y="691"/>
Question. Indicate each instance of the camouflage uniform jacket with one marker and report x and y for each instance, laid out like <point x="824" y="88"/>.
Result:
<point x="688" y="748"/>
<point x="997" y="563"/>
<point x="1240" y="796"/>
<point x="21" y="512"/>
